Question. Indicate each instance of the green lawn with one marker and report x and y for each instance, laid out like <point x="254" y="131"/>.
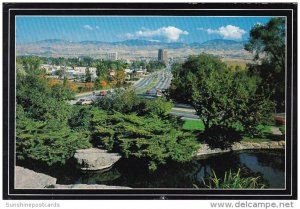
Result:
<point x="197" y="125"/>
<point x="264" y="128"/>
<point x="193" y="125"/>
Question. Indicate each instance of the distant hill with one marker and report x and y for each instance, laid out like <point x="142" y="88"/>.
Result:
<point x="60" y="47"/>
<point x="51" y="41"/>
<point x="220" y="44"/>
<point x="136" y="42"/>
<point x="220" y="41"/>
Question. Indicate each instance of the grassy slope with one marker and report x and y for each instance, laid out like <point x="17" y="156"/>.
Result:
<point x="197" y="125"/>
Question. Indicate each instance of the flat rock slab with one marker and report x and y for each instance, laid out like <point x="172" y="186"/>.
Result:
<point x="87" y="186"/>
<point x="95" y="159"/>
<point x="28" y="179"/>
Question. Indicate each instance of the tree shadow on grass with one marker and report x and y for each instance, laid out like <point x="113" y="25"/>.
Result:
<point x="220" y="137"/>
<point x="273" y="137"/>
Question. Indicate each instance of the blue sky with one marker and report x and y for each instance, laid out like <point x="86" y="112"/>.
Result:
<point x="111" y="29"/>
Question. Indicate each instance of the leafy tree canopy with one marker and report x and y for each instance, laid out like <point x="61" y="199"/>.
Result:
<point x="220" y="96"/>
<point x="267" y="42"/>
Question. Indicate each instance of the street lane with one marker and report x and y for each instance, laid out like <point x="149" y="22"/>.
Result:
<point x="164" y="78"/>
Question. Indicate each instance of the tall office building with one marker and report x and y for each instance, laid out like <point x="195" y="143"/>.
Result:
<point x="162" y="55"/>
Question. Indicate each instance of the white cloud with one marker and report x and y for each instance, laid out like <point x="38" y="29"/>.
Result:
<point x="227" y="32"/>
<point x="169" y="33"/>
<point x="88" y="27"/>
<point x="154" y="40"/>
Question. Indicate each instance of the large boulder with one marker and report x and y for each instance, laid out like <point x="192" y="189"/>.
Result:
<point x="28" y="179"/>
<point x="95" y="159"/>
<point x="87" y="186"/>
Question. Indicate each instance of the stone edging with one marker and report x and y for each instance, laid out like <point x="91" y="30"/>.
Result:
<point x="205" y="149"/>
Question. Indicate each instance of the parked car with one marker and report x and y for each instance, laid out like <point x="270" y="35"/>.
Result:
<point x="279" y="118"/>
<point x="84" y="102"/>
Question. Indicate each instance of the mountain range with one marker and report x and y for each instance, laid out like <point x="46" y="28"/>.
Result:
<point x="220" y="43"/>
<point x="127" y="48"/>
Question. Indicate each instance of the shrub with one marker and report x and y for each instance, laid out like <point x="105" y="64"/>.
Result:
<point x="233" y="181"/>
<point x="72" y="86"/>
<point x="103" y="83"/>
<point x="89" y="86"/>
<point x="50" y="142"/>
<point x="148" y="138"/>
<point x="54" y="82"/>
<point x="220" y="137"/>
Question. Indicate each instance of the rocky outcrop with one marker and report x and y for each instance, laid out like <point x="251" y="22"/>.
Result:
<point x="95" y="159"/>
<point x="87" y="186"/>
<point x="28" y="179"/>
<point x="205" y="149"/>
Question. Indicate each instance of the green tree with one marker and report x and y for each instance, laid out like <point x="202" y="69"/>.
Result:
<point x="41" y="101"/>
<point x="102" y="69"/>
<point x="158" y="107"/>
<point x="88" y="75"/>
<point x="267" y="42"/>
<point x="87" y="61"/>
<point x="119" y="78"/>
<point x="220" y="96"/>
<point x="50" y="142"/>
<point x="20" y="68"/>
<point x="138" y="64"/>
<point x="65" y="82"/>
<point x="60" y="73"/>
<point x="32" y="64"/>
<point x="42" y="130"/>
<point x="125" y="101"/>
<point x="155" y="65"/>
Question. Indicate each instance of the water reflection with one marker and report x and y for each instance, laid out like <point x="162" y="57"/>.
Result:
<point x="133" y="173"/>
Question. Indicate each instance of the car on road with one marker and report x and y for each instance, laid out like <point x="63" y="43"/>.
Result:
<point x="158" y="93"/>
<point x="84" y="102"/>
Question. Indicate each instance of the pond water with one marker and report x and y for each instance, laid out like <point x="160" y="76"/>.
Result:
<point x="269" y="165"/>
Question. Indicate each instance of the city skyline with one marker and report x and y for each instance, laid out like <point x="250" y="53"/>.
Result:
<point x="150" y="28"/>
